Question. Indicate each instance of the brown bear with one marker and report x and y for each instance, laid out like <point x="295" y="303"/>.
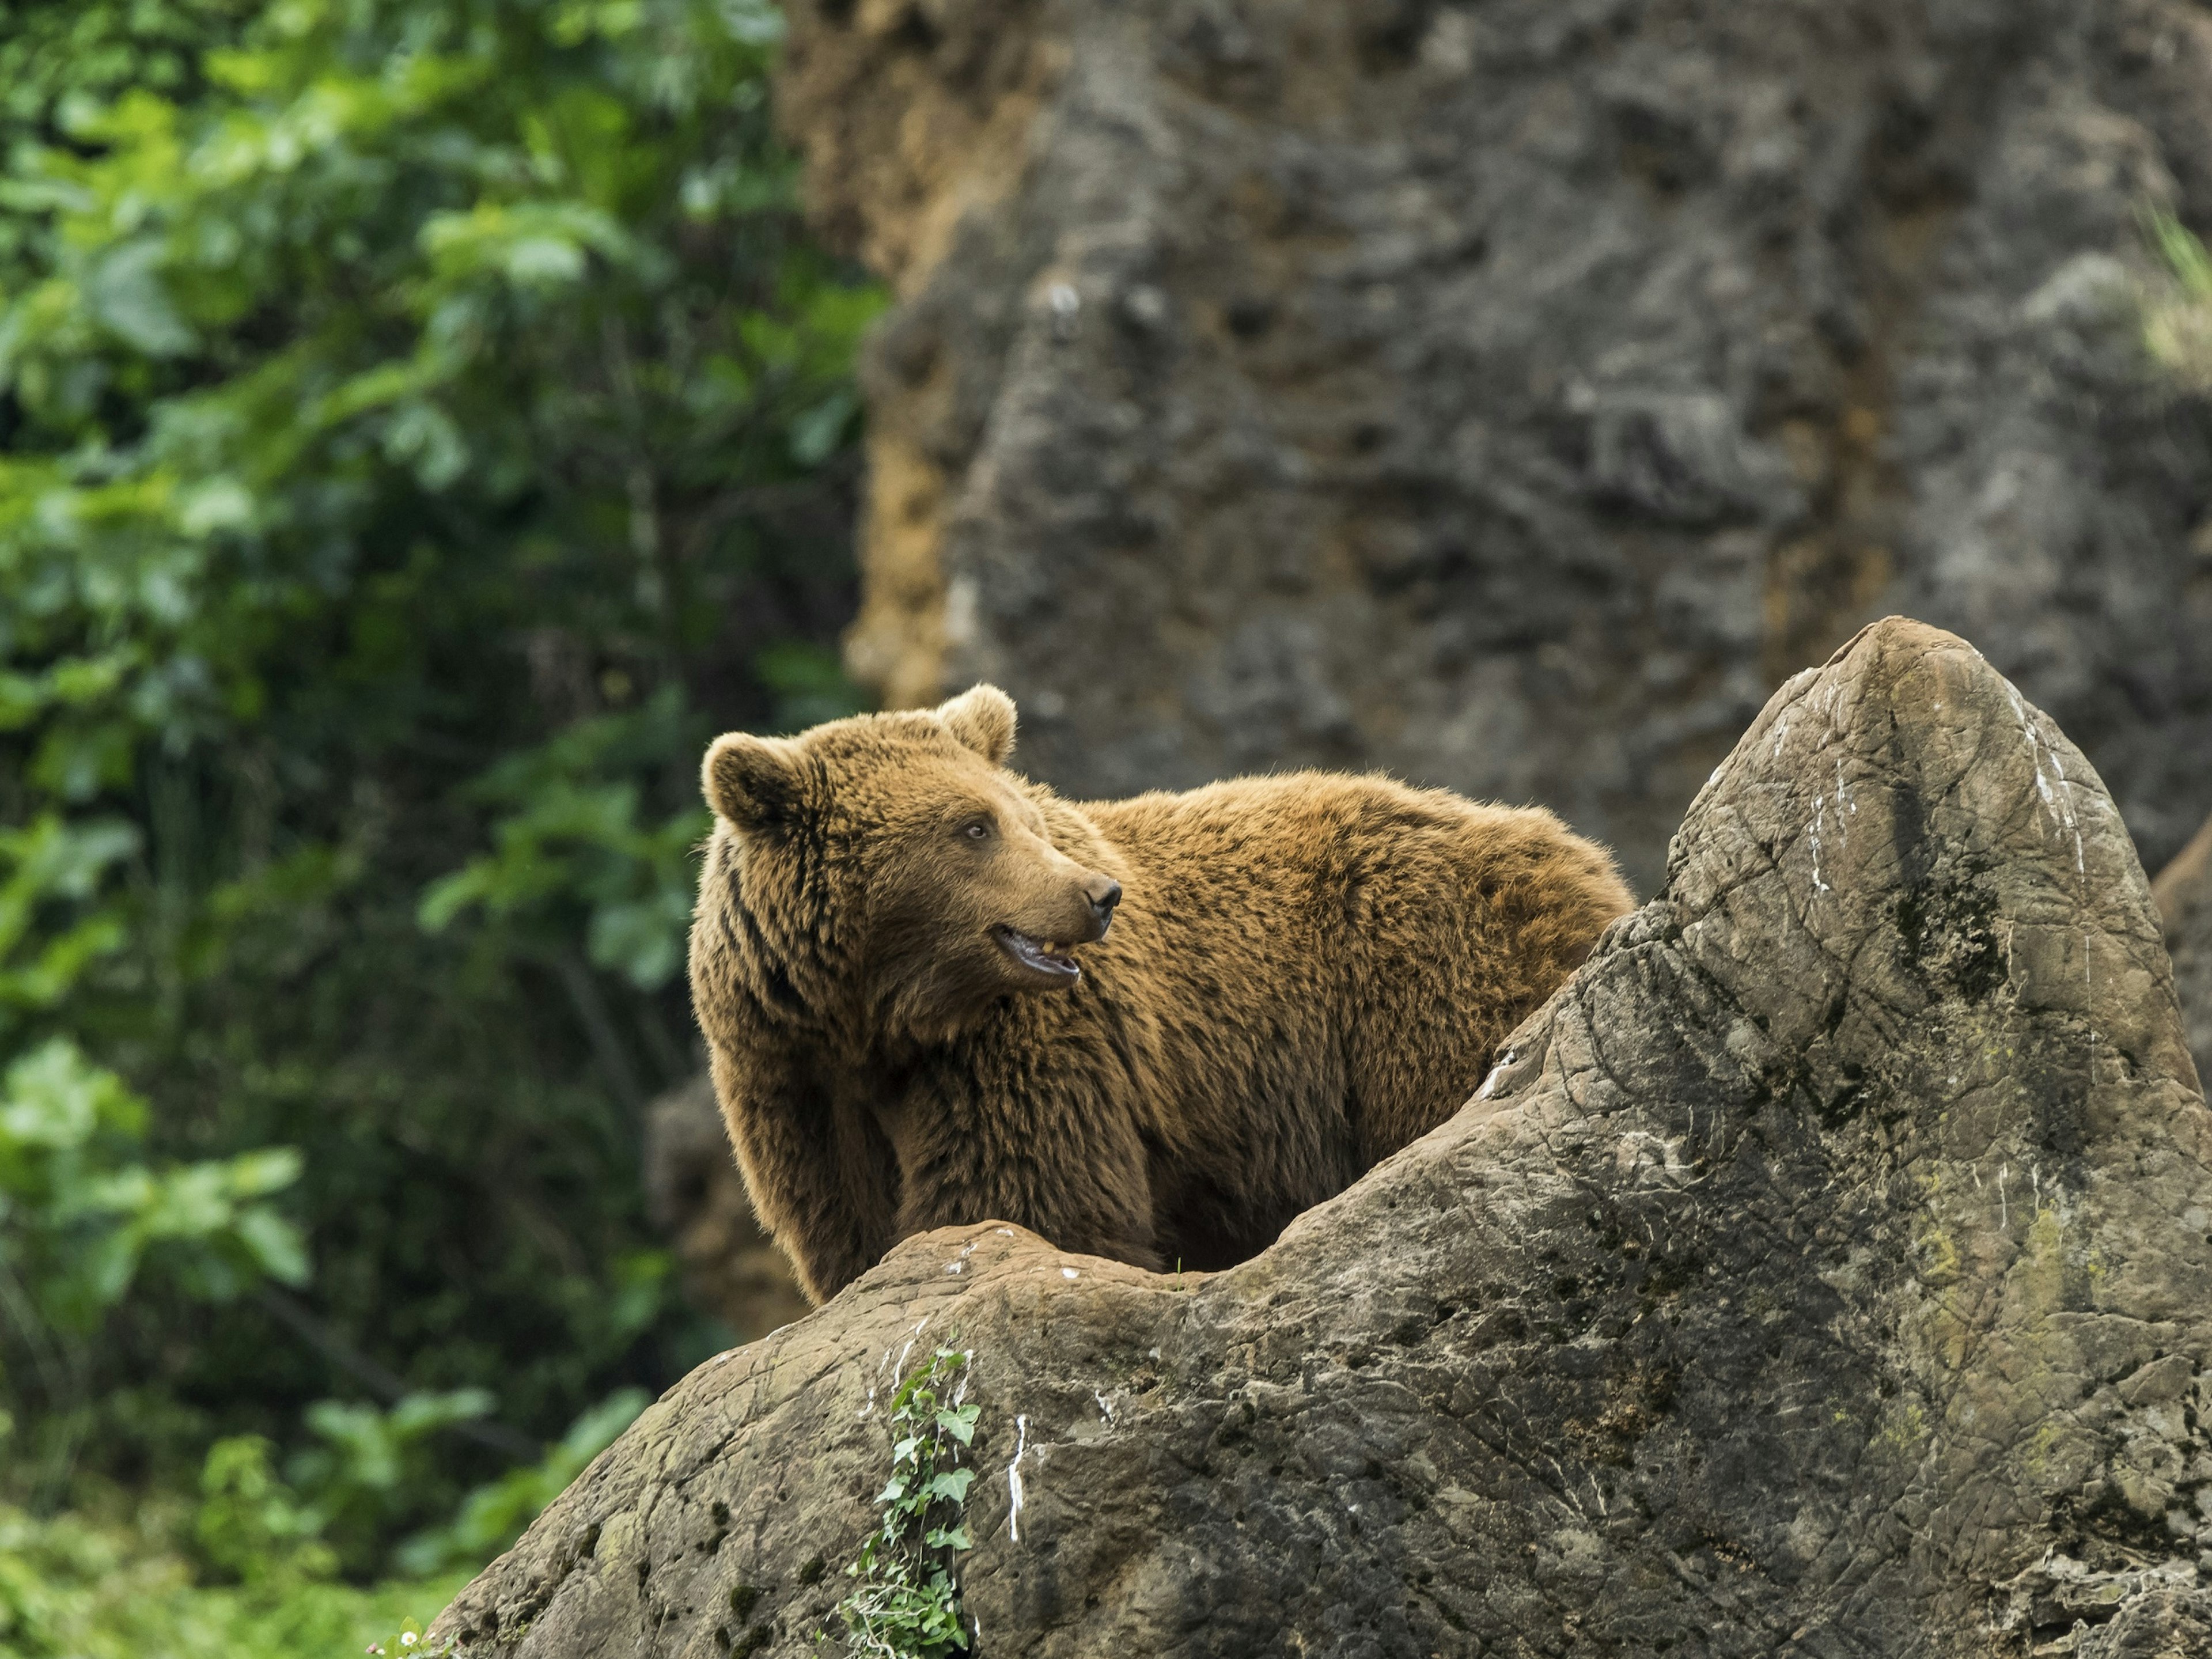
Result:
<point x="1153" y="1030"/>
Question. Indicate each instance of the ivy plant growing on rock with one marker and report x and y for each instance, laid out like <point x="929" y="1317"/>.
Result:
<point x="906" y="1604"/>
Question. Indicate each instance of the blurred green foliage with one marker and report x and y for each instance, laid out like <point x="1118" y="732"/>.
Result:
<point x="422" y="425"/>
<point x="83" y="1213"/>
<point x="2177" y="311"/>
<point x="494" y="1515"/>
<point x="95" y="1583"/>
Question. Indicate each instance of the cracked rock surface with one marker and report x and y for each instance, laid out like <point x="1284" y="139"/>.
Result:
<point x="1510" y="395"/>
<point x="1825" y="1272"/>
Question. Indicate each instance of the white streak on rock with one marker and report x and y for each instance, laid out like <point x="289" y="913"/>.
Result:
<point x="1490" y="1083"/>
<point x="2058" y="802"/>
<point x="1014" y="1480"/>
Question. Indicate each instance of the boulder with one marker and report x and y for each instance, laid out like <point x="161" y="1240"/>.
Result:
<point x="1509" y="396"/>
<point x="1824" y="1270"/>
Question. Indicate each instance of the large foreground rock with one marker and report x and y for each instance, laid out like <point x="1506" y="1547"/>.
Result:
<point x="1510" y="395"/>
<point x="1826" y="1273"/>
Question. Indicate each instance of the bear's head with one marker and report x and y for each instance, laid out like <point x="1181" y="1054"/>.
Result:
<point x="899" y="868"/>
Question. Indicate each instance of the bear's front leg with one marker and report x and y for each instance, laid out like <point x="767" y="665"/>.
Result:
<point x="820" y="1178"/>
<point x="1068" y="1171"/>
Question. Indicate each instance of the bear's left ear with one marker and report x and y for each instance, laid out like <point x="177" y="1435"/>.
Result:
<point x="982" y="718"/>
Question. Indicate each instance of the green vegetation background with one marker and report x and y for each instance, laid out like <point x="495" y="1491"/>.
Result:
<point x="421" y="425"/>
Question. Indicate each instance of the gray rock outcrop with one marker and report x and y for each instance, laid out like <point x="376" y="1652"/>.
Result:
<point x="1510" y="395"/>
<point x="1826" y="1270"/>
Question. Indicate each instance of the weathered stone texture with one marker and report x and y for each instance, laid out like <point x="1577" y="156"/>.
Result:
<point x="1826" y="1271"/>
<point x="1510" y="395"/>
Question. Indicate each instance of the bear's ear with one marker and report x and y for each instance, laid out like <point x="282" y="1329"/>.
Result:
<point x="982" y="718"/>
<point x="752" y="782"/>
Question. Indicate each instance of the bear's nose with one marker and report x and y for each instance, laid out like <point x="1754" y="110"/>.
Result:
<point x="1102" y="901"/>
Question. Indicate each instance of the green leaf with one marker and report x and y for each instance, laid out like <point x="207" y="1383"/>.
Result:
<point x="276" y="1246"/>
<point x="108" y="1265"/>
<point x="961" y="1423"/>
<point x="418" y="1414"/>
<point x="124" y="290"/>
<point x="819" y="432"/>
<point x="56" y="1099"/>
<point x="951" y="1487"/>
<point x="643" y="939"/>
<point x="270" y="1169"/>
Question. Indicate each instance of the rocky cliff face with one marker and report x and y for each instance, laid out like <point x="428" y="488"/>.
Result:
<point x="1827" y="1270"/>
<point x="1510" y="395"/>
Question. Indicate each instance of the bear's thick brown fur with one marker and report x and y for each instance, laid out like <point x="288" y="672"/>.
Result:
<point x="1304" y="973"/>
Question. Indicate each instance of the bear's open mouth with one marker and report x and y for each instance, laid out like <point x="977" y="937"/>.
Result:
<point x="1044" y="956"/>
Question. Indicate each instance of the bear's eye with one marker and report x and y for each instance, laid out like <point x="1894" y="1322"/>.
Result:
<point x="976" y="829"/>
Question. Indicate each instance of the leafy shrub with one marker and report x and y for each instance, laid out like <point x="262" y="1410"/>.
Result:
<point x="81" y="1586"/>
<point x="82" y="1214"/>
<point x="421" y="426"/>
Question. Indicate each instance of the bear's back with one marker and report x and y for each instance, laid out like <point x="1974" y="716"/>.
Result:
<point x="1392" y="935"/>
